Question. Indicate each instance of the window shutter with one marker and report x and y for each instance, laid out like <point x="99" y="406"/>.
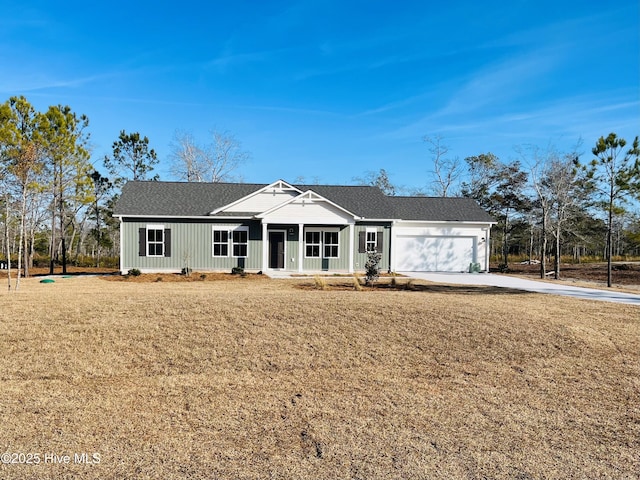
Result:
<point x="142" y="242"/>
<point x="379" y="236"/>
<point x="362" y="242"/>
<point x="167" y="242"/>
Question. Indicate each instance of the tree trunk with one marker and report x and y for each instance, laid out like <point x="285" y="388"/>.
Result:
<point x="6" y="233"/>
<point x="556" y="262"/>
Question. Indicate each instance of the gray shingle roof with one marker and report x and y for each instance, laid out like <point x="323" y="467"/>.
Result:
<point x="438" y="209"/>
<point x="183" y="199"/>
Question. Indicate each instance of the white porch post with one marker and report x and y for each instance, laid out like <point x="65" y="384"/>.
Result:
<point x="300" y="246"/>
<point x="487" y="252"/>
<point x="351" y="246"/>
<point x="265" y="246"/>
<point x="121" y="247"/>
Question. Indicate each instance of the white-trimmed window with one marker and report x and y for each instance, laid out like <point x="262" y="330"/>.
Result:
<point x="371" y="242"/>
<point x="230" y="241"/>
<point x="322" y="243"/>
<point x="331" y="244"/>
<point x="220" y="243"/>
<point x="240" y="241"/>
<point x="312" y="244"/>
<point x="155" y="240"/>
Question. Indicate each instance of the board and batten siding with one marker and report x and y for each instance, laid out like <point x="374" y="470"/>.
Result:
<point x="191" y="246"/>
<point x="360" y="257"/>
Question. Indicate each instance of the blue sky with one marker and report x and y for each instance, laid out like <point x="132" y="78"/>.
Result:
<point x="329" y="90"/>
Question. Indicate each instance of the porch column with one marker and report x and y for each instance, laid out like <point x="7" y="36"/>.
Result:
<point x="300" y="246"/>
<point x="265" y="247"/>
<point x="351" y="246"/>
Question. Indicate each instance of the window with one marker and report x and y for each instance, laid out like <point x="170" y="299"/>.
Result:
<point x="240" y="243"/>
<point x="312" y="240"/>
<point x="321" y="243"/>
<point x="371" y="243"/>
<point x="330" y="244"/>
<point x="220" y="243"/>
<point x="155" y="240"/>
<point x="230" y="240"/>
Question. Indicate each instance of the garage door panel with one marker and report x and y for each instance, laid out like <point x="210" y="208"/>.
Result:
<point x="434" y="253"/>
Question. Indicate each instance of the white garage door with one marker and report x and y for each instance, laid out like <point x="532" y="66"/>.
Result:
<point x="434" y="254"/>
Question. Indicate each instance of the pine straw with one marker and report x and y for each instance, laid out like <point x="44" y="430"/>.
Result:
<point x="262" y="380"/>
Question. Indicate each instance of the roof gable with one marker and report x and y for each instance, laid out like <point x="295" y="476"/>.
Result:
<point x="308" y="206"/>
<point x="262" y="199"/>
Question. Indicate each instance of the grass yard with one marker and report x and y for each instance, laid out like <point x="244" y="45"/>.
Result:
<point x="254" y="379"/>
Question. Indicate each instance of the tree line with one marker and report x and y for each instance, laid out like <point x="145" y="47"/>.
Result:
<point x="56" y="201"/>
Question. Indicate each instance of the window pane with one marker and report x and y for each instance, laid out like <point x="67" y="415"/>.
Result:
<point x="330" y="251"/>
<point x="239" y="249"/>
<point x="240" y="236"/>
<point x="154" y="235"/>
<point x="331" y="237"/>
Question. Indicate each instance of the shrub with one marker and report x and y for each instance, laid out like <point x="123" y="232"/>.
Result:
<point x="203" y="276"/>
<point x="186" y="271"/>
<point x="237" y="271"/>
<point x="321" y="283"/>
<point x="372" y="267"/>
<point x="134" y="272"/>
<point x="503" y="268"/>
<point x="356" y="284"/>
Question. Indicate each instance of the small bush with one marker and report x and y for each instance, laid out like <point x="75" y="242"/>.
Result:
<point x="186" y="271"/>
<point x="372" y="267"/>
<point x="356" y="284"/>
<point x="134" y="272"/>
<point x="159" y="279"/>
<point x="237" y="271"/>
<point x="409" y="285"/>
<point x="503" y="268"/>
<point x="321" y="283"/>
<point x="203" y="276"/>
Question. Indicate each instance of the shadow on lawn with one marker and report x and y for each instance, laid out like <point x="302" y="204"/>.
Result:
<point x="419" y="288"/>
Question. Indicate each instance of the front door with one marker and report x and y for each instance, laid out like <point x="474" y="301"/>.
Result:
<point x="276" y="249"/>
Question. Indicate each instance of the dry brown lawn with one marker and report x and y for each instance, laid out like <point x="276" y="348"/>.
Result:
<point x="259" y="379"/>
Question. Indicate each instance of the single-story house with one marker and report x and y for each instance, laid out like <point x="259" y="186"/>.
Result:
<point x="169" y="226"/>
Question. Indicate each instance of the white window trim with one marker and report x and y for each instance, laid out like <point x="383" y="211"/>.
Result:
<point x="231" y="243"/>
<point x="229" y="230"/>
<point x="155" y="227"/>
<point x="321" y="230"/>
<point x="369" y="230"/>
<point x="324" y="244"/>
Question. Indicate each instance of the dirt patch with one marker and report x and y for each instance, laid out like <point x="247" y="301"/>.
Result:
<point x="624" y="274"/>
<point x="177" y="277"/>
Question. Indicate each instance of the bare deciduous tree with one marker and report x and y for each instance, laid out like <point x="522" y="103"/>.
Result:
<point x="213" y="162"/>
<point x="446" y="170"/>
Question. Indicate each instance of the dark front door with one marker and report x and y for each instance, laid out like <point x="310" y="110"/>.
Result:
<point x="276" y="249"/>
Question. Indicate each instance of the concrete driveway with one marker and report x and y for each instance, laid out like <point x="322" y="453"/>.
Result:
<point x="527" y="285"/>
